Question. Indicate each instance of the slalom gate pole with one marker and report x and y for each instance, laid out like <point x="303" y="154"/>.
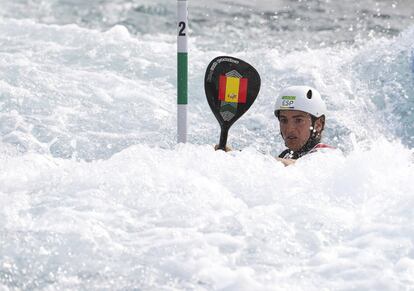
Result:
<point x="182" y="70"/>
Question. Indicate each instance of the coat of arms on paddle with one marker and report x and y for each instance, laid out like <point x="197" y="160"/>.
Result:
<point x="231" y="86"/>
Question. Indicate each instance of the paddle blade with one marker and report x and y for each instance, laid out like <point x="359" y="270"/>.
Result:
<point x="231" y="86"/>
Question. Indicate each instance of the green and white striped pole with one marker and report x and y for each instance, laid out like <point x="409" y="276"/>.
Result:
<point x="182" y="70"/>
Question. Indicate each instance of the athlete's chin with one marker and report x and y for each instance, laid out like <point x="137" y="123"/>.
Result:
<point x="293" y="145"/>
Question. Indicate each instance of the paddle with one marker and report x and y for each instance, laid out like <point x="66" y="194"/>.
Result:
<point x="231" y="86"/>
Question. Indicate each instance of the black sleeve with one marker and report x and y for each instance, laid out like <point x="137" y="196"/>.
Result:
<point x="284" y="153"/>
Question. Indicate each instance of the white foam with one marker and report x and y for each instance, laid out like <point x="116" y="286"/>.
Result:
<point x="195" y="218"/>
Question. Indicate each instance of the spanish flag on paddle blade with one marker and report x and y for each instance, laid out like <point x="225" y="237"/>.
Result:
<point x="232" y="89"/>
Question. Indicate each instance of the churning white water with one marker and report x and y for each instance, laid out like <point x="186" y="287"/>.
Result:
<point x="95" y="193"/>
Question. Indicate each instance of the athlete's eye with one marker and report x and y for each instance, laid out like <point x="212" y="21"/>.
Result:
<point x="283" y="120"/>
<point x="298" y="120"/>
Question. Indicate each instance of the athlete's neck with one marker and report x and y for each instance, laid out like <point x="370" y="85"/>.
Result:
<point x="310" y="144"/>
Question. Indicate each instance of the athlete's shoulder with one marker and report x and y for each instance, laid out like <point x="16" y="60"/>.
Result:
<point x="321" y="147"/>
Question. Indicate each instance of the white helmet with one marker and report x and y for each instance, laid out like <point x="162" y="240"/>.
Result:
<point x="302" y="98"/>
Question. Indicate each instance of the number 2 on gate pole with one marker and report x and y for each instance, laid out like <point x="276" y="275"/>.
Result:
<point x="182" y="70"/>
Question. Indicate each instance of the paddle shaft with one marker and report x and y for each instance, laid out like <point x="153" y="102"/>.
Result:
<point x="223" y="137"/>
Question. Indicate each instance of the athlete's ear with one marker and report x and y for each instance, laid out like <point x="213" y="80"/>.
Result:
<point x="320" y="124"/>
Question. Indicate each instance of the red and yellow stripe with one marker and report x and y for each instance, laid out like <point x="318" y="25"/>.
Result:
<point x="232" y="89"/>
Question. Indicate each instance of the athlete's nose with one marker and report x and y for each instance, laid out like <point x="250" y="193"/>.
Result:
<point x="289" y="127"/>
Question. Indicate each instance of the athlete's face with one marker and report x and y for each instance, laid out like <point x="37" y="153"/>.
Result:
<point x="295" y="127"/>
